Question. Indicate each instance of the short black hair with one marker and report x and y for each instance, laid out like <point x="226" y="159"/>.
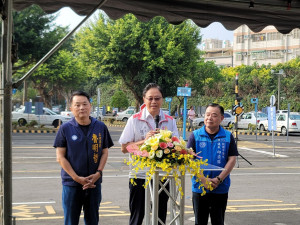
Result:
<point x="79" y="93"/>
<point x="152" y="85"/>
<point x="217" y="106"/>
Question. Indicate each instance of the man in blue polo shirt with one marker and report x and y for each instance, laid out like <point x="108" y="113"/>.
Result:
<point x="217" y="145"/>
<point x="82" y="149"/>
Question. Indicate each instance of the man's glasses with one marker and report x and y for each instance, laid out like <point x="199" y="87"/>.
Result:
<point x="153" y="98"/>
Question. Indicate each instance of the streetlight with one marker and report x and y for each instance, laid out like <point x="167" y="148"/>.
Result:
<point x="281" y="72"/>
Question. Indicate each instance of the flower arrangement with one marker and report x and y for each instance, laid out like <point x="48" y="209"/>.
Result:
<point x="168" y="153"/>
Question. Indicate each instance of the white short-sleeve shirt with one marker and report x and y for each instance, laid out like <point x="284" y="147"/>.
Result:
<point x="139" y="125"/>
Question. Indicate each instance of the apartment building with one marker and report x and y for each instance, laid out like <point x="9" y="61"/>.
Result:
<point x="218" y="51"/>
<point x="266" y="47"/>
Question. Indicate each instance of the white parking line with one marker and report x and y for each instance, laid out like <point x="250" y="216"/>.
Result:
<point x="263" y="152"/>
<point x="32" y="203"/>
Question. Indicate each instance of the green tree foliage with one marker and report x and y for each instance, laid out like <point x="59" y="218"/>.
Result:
<point x="35" y="34"/>
<point x="140" y="53"/>
<point x="62" y="74"/>
<point x="253" y="82"/>
<point x="119" y="100"/>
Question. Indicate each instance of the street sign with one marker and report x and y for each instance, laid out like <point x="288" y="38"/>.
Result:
<point x="184" y="91"/>
<point x="271" y="118"/>
<point x="254" y="100"/>
<point x="238" y="110"/>
<point x="39" y="108"/>
<point x="28" y="107"/>
<point x="168" y="99"/>
<point x="272" y="100"/>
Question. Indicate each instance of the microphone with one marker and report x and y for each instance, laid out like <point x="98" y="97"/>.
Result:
<point x="156" y="119"/>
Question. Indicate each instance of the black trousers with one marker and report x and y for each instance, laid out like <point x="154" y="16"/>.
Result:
<point x="137" y="203"/>
<point x="209" y="204"/>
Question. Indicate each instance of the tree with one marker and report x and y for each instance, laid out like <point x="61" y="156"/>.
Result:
<point x="62" y="74"/>
<point x="140" y="53"/>
<point x="119" y="100"/>
<point x="35" y="34"/>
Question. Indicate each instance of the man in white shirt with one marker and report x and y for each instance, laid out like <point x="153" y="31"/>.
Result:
<point x="140" y="127"/>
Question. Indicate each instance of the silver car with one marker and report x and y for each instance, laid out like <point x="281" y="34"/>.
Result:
<point x="47" y="118"/>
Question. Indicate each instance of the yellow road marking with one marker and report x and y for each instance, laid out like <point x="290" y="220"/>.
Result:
<point x="50" y="209"/>
<point x="255" y="200"/>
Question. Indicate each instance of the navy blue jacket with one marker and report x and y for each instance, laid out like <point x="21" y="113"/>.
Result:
<point x="83" y="152"/>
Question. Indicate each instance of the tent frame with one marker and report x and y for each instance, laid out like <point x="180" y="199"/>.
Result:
<point x="6" y="87"/>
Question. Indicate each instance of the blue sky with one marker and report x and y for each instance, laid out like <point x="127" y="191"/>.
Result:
<point x="215" y="30"/>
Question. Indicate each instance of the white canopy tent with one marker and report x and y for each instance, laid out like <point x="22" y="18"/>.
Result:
<point x="257" y="14"/>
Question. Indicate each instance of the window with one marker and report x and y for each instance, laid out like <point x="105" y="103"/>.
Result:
<point x="258" y="37"/>
<point x="296" y="33"/>
<point x="281" y="118"/>
<point x="274" y="36"/>
<point x="240" y="39"/>
<point x="258" y="55"/>
<point x="276" y="54"/>
<point x="239" y="57"/>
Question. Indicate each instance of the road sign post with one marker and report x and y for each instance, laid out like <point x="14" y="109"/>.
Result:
<point x="169" y="100"/>
<point x="185" y="92"/>
<point x="272" y="119"/>
<point x="255" y="101"/>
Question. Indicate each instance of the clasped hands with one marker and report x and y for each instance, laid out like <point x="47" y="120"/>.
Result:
<point x="89" y="181"/>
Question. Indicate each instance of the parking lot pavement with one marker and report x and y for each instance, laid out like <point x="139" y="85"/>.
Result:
<point x="264" y="193"/>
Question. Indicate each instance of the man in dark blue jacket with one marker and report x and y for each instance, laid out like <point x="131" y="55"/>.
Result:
<point x="217" y="145"/>
<point x="82" y="149"/>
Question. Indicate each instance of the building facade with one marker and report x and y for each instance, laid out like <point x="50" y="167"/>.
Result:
<point x="218" y="51"/>
<point x="265" y="47"/>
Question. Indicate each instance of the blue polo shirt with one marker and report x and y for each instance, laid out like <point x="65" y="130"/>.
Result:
<point x="83" y="151"/>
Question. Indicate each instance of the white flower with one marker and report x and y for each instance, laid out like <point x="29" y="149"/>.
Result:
<point x="159" y="153"/>
<point x="151" y="155"/>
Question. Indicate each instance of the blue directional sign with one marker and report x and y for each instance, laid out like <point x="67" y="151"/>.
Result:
<point x="28" y="107"/>
<point x="271" y="118"/>
<point x="39" y="108"/>
<point x="254" y="100"/>
<point x="184" y="91"/>
<point x="168" y="99"/>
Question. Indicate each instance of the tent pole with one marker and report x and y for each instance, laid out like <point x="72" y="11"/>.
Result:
<point x="53" y="50"/>
<point x="6" y="91"/>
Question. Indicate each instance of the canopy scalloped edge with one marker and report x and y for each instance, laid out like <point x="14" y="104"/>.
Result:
<point x="231" y="13"/>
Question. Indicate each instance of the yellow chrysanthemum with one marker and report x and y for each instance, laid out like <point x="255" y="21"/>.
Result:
<point x="165" y="134"/>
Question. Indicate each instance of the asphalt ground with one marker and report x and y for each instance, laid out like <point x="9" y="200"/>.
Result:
<point x="264" y="193"/>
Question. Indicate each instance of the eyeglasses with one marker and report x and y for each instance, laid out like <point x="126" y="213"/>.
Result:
<point x="156" y="99"/>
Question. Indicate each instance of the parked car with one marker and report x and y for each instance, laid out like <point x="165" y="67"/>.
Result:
<point x="124" y="115"/>
<point x="47" y="118"/>
<point x="281" y="123"/>
<point x="228" y="119"/>
<point x="198" y="122"/>
<point x="250" y="118"/>
<point x="93" y="114"/>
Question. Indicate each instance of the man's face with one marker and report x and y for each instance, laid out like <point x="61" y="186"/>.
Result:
<point x="153" y="101"/>
<point x="213" y="118"/>
<point x="81" y="107"/>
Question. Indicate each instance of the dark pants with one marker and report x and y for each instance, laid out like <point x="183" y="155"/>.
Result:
<point x="137" y="203"/>
<point x="209" y="204"/>
<point x="190" y="125"/>
<point x="74" y="199"/>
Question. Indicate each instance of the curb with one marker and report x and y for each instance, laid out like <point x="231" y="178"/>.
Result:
<point x="35" y="131"/>
<point x="112" y="125"/>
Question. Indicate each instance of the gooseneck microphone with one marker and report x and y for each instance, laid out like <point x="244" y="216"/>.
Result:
<point x="156" y="119"/>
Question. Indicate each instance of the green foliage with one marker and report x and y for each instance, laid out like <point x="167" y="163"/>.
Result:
<point x="34" y="33"/>
<point x="140" y="53"/>
<point x="119" y="100"/>
<point x="32" y="123"/>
